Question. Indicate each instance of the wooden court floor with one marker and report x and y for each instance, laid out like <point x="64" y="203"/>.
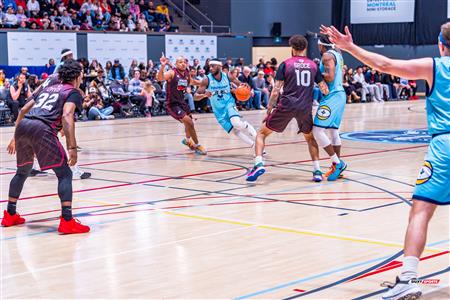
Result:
<point x="169" y="224"/>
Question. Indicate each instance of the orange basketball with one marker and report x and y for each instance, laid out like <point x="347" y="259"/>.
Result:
<point x="243" y="93"/>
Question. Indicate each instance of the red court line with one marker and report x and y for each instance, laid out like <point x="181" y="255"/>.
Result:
<point x="212" y="172"/>
<point x="395" y="265"/>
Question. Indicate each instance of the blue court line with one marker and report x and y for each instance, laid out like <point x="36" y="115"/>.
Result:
<point x="385" y="290"/>
<point x="325" y="274"/>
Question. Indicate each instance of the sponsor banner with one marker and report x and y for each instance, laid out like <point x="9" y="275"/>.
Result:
<point x="191" y="46"/>
<point x="381" y="11"/>
<point x="36" y="48"/>
<point x="125" y="47"/>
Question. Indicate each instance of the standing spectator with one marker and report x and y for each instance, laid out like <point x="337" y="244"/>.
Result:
<point x="149" y="93"/>
<point x="19" y="92"/>
<point x="95" y="108"/>
<point x="117" y="71"/>
<point x="33" y="6"/>
<point x="259" y="84"/>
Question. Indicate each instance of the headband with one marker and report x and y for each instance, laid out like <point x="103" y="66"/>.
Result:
<point x="325" y="44"/>
<point x="215" y="62"/>
<point x="443" y="41"/>
<point x="66" y="53"/>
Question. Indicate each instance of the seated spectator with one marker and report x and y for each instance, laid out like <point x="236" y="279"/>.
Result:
<point x="270" y="83"/>
<point x="10" y="3"/>
<point x="134" y="9"/>
<point x="2" y="77"/>
<point x="163" y="10"/>
<point x="108" y="68"/>
<point x="135" y="87"/>
<point x="206" y="66"/>
<point x="142" y="24"/>
<point x="130" y="23"/>
<point x="404" y="89"/>
<point x="384" y="88"/>
<point x="261" y="64"/>
<point x="56" y="19"/>
<point x="268" y="69"/>
<point x="413" y="85"/>
<point x="133" y="66"/>
<point x="95" y="108"/>
<point x="94" y="67"/>
<point x="114" y="24"/>
<point x="350" y="87"/>
<point x="389" y="81"/>
<point x="255" y="100"/>
<point x="23" y="26"/>
<point x="19" y="92"/>
<point x="124" y="9"/>
<point x="365" y="87"/>
<point x="33" y="6"/>
<point x="10" y="18"/>
<point x="33" y="82"/>
<point x="73" y="6"/>
<point x="75" y="20"/>
<point x="105" y="10"/>
<point x="66" y="21"/>
<point x="21" y="17"/>
<point x="259" y="84"/>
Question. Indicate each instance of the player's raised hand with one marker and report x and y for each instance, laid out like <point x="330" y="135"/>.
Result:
<point x="12" y="146"/>
<point x="342" y="41"/>
<point x="164" y="61"/>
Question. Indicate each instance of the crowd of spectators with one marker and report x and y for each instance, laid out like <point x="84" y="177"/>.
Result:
<point x="99" y="15"/>
<point x="113" y="90"/>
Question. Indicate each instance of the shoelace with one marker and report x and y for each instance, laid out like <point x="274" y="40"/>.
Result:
<point x="387" y="284"/>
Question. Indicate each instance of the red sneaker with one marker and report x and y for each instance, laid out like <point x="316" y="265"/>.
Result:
<point x="72" y="226"/>
<point x="9" y="220"/>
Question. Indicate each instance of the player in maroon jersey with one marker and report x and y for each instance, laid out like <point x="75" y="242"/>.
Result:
<point x="36" y="134"/>
<point x="296" y="76"/>
<point x="178" y="80"/>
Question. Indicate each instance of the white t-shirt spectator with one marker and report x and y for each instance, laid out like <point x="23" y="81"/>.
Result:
<point x="33" y="5"/>
<point x="10" y="19"/>
<point x="67" y="21"/>
<point x="359" y="78"/>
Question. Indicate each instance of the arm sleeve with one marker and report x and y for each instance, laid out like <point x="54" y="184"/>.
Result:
<point x="319" y="77"/>
<point x="76" y="98"/>
<point x="280" y="72"/>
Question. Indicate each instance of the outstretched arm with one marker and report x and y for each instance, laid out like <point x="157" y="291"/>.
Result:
<point x="201" y="92"/>
<point x="421" y="68"/>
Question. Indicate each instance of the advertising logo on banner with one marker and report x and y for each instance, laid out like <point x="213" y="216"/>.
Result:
<point x="191" y="47"/>
<point x="381" y="11"/>
<point x="125" y="47"/>
<point x="36" y="48"/>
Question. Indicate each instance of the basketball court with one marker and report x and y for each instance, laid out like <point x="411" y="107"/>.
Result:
<point x="166" y="223"/>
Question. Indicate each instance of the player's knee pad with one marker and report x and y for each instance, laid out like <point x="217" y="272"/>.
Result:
<point x="64" y="174"/>
<point x="335" y="137"/>
<point x="321" y="137"/>
<point x="237" y="123"/>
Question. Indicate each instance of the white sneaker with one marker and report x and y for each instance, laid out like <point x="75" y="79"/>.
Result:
<point x="78" y="174"/>
<point x="401" y="290"/>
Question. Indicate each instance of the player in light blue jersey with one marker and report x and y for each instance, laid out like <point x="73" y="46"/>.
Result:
<point x="216" y="86"/>
<point x="432" y="186"/>
<point x="331" y="107"/>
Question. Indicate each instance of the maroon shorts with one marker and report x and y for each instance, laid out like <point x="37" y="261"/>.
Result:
<point x="280" y="117"/>
<point x="178" y="110"/>
<point x="34" y="137"/>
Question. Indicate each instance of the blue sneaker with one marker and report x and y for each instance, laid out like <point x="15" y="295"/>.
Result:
<point x="317" y="176"/>
<point x="338" y="169"/>
<point x="257" y="171"/>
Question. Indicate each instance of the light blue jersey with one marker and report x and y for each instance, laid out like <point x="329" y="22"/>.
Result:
<point x="432" y="184"/>
<point x="331" y="107"/>
<point x="222" y="102"/>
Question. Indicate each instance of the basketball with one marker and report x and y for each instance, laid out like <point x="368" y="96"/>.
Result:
<point x="243" y="93"/>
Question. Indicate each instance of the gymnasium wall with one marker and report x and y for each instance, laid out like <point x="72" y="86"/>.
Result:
<point x="229" y="45"/>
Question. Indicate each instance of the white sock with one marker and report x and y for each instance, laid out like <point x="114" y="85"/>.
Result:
<point x="335" y="158"/>
<point x="316" y="165"/>
<point x="245" y="138"/>
<point x="409" y="269"/>
<point x="259" y="160"/>
<point x="36" y="165"/>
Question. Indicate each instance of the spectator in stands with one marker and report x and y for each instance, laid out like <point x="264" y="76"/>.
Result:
<point x="384" y="88"/>
<point x="143" y="6"/>
<point x="268" y="68"/>
<point x="10" y="18"/>
<point x="255" y="100"/>
<point x="108" y="68"/>
<point x="366" y="88"/>
<point x="73" y="6"/>
<point x="114" y="24"/>
<point x="2" y="77"/>
<point x="148" y="92"/>
<point x="350" y="87"/>
<point x="151" y="70"/>
<point x="95" y="108"/>
<point x="21" y="17"/>
<point x="66" y="21"/>
<point x="117" y="71"/>
<point x="142" y="24"/>
<point x="33" y="6"/>
<point x="133" y="66"/>
<point x="124" y="9"/>
<point x="10" y="3"/>
<point x="130" y="23"/>
<point x="274" y="63"/>
<point x="260" y="64"/>
<point x="135" y="87"/>
<point x="389" y="80"/>
<point x="196" y="64"/>
<point x="206" y="66"/>
<point x="259" y="84"/>
<point x="33" y="82"/>
<point x="135" y="10"/>
<point x="19" y="92"/>
<point x="105" y="9"/>
<point x="270" y="83"/>
<point x="239" y="62"/>
<point x="56" y="19"/>
<point x="404" y="89"/>
<point x="413" y="85"/>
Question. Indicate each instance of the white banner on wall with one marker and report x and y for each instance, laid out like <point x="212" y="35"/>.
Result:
<point x="36" y="48"/>
<point x="381" y="11"/>
<point x="125" y="47"/>
<point x="191" y="46"/>
<point x="448" y="9"/>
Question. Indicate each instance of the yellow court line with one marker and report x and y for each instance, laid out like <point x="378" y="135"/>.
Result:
<point x="301" y="232"/>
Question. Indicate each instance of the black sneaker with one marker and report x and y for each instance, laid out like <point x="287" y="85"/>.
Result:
<point x="85" y="175"/>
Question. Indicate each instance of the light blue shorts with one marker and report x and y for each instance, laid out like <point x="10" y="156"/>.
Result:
<point x="331" y="110"/>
